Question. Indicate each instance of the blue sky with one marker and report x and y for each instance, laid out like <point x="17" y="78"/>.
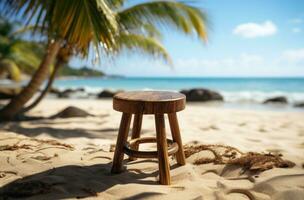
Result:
<point x="246" y="38"/>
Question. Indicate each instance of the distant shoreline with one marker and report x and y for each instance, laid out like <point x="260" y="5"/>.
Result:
<point x="236" y="92"/>
<point x="88" y="77"/>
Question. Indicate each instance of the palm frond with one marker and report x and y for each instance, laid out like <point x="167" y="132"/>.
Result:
<point x="149" y="30"/>
<point x="76" y="22"/>
<point x="142" y="44"/>
<point x="5" y="27"/>
<point x="28" y="29"/>
<point x="183" y="17"/>
<point x="27" y="55"/>
<point x="10" y="68"/>
<point x="115" y="4"/>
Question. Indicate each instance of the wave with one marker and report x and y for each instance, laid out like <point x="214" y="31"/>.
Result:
<point x="243" y="96"/>
<point x="260" y="96"/>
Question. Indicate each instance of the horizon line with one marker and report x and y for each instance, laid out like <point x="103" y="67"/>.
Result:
<point x="124" y="76"/>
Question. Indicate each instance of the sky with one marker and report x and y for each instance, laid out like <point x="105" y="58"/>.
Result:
<point x="246" y="38"/>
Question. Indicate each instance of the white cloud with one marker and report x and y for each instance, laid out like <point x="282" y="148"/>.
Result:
<point x="244" y="64"/>
<point x="253" y="30"/>
<point x="244" y="60"/>
<point x="296" y="21"/>
<point x="294" y="56"/>
<point x="296" y="30"/>
<point x="250" y="59"/>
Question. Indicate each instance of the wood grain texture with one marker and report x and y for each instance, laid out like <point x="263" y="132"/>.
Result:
<point x="172" y="148"/>
<point x="149" y="102"/>
<point x="162" y="149"/>
<point x="180" y="155"/>
<point x="121" y="140"/>
<point x="136" y="132"/>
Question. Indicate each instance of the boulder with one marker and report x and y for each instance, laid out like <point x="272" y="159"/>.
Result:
<point x="299" y="104"/>
<point x="68" y="92"/>
<point x="201" y="94"/>
<point x="106" y="94"/>
<point x="64" y="94"/>
<point x="279" y="99"/>
<point x="80" y="90"/>
<point x="54" y="91"/>
<point x="70" y="112"/>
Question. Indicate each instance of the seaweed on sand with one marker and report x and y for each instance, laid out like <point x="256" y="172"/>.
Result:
<point x="252" y="161"/>
<point x="53" y="142"/>
<point x="14" y="147"/>
<point x="40" y="142"/>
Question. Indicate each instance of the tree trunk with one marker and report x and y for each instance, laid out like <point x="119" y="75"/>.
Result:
<point x="13" y="108"/>
<point x="51" y="79"/>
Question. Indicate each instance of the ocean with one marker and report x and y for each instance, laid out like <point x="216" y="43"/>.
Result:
<point x="253" y="90"/>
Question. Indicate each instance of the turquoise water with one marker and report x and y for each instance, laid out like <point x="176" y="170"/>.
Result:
<point x="233" y="89"/>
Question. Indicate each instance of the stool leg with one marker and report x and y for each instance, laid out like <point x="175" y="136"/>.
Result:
<point x="162" y="149"/>
<point x="180" y="155"/>
<point x="121" y="140"/>
<point x="136" y="131"/>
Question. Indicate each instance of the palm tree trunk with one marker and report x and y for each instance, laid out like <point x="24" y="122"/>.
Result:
<point x="59" y="63"/>
<point x="13" y="108"/>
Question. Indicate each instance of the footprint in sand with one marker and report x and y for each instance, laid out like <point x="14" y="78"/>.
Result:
<point x="242" y="124"/>
<point x="301" y="145"/>
<point x="285" y="125"/>
<point x="242" y="192"/>
<point x="301" y="133"/>
<point x="262" y="130"/>
<point x="211" y="127"/>
<point x="177" y="188"/>
<point x="253" y="140"/>
<point x="198" y="198"/>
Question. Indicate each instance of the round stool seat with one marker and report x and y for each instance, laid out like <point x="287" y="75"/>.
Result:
<point x="149" y="102"/>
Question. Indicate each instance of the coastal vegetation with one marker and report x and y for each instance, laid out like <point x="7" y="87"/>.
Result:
<point x="81" y="72"/>
<point x="105" y="26"/>
<point x="17" y="55"/>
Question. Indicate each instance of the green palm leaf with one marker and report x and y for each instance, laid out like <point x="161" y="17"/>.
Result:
<point x="10" y="67"/>
<point x="178" y="15"/>
<point x="16" y="52"/>
<point x="75" y="22"/>
<point x="27" y="54"/>
<point x="143" y="44"/>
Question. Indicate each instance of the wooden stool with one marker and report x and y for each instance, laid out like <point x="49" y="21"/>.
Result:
<point x="149" y="102"/>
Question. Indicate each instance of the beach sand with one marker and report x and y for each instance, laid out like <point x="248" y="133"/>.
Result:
<point x="78" y="165"/>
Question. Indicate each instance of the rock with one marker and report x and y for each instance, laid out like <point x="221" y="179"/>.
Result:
<point x="201" y="94"/>
<point x="106" y="94"/>
<point x="69" y="92"/>
<point x="70" y="112"/>
<point x="64" y="94"/>
<point x="54" y="91"/>
<point x="279" y="99"/>
<point x="299" y="104"/>
<point x="79" y="90"/>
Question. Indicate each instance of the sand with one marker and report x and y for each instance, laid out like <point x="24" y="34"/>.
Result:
<point x="78" y="164"/>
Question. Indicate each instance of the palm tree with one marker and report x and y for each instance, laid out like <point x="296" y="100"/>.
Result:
<point x="66" y="22"/>
<point x="62" y="58"/>
<point x="16" y="54"/>
<point x="148" y="44"/>
<point x="106" y="25"/>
